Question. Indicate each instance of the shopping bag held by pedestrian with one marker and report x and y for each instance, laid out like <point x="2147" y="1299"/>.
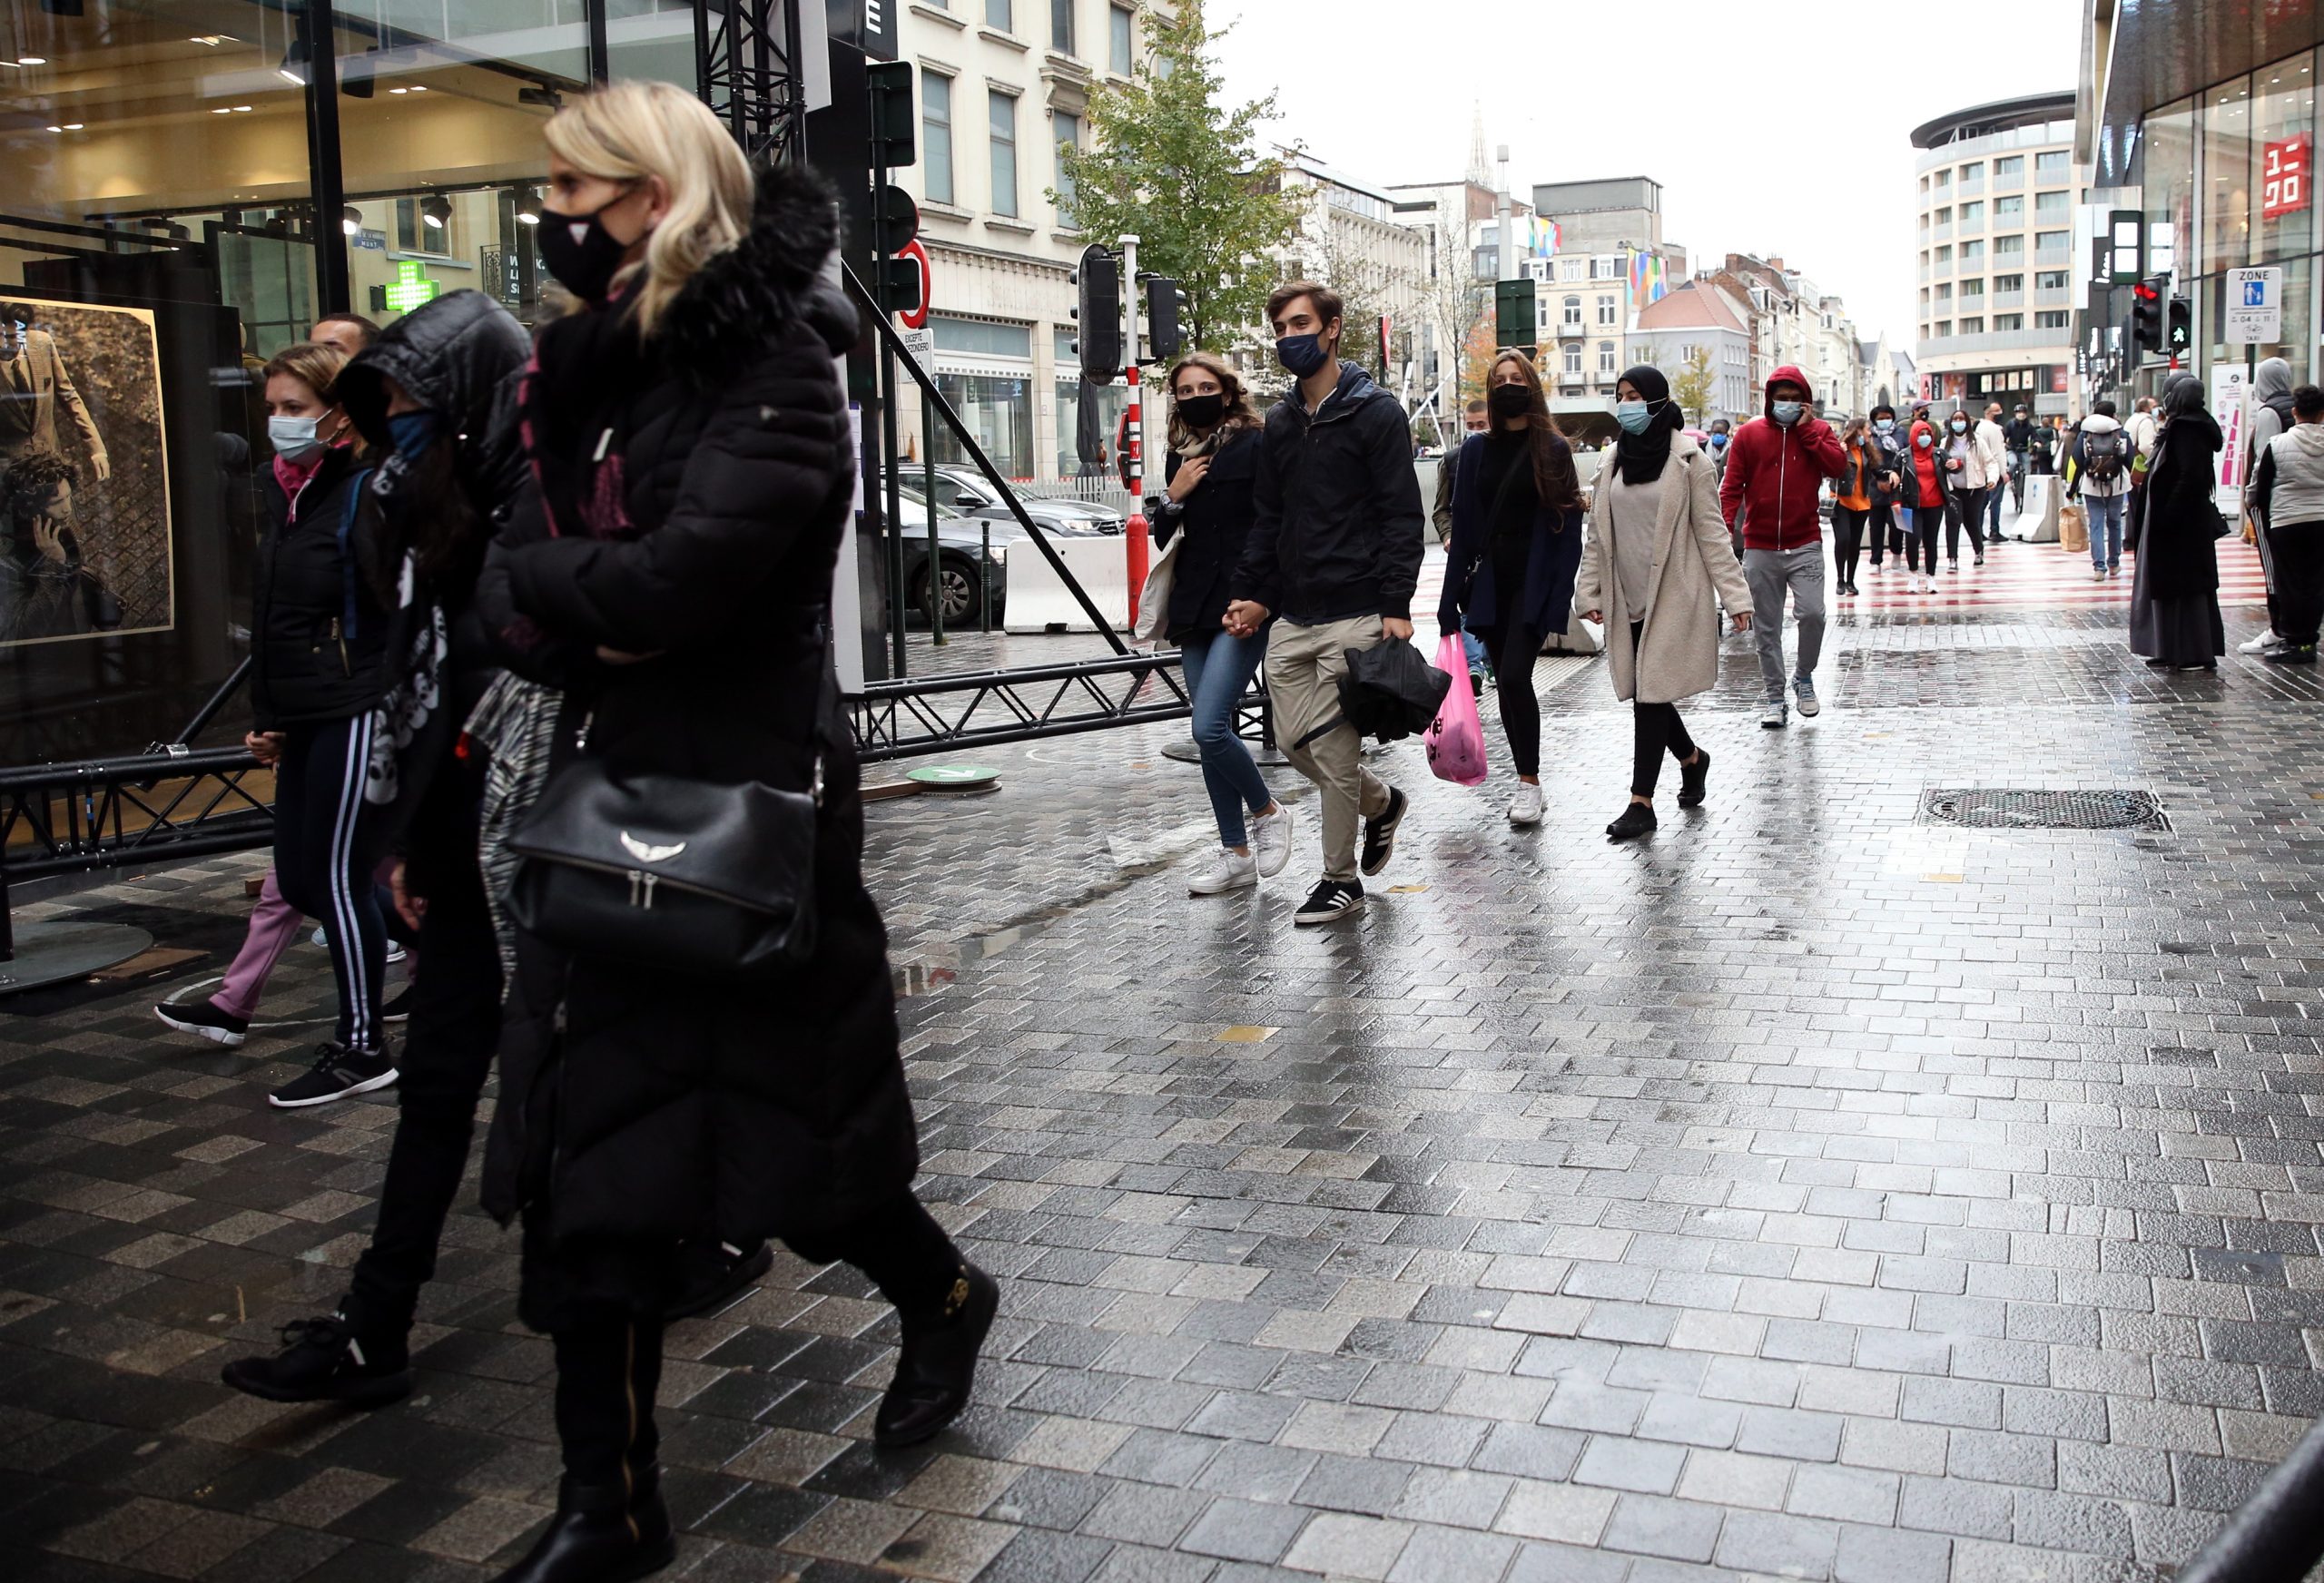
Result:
<point x="1153" y="600"/>
<point x="1456" y="738"/>
<point x="2074" y="529"/>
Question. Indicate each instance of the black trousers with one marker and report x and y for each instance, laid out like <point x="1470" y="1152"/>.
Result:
<point x="2298" y="548"/>
<point x="1512" y="651"/>
<point x="1655" y="729"/>
<point x="608" y="1367"/>
<point x="1881" y="531"/>
<point x="326" y="842"/>
<point x="1848" y="539"/>
<point x="1920" y="535"/>
<point x="446" y="1054"/>
<point x="1963" y="506"/>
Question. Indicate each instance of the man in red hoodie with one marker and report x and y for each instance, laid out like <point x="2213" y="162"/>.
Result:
<point x="1775" y="469"/>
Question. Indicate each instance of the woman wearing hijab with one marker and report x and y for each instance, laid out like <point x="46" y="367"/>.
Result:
<point x="1656" y="555"/>
<point x="2174" y="593"/>
<point x="1516" y="540"/>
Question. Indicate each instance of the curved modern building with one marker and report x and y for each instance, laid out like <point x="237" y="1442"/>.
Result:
<point x="1994" y="233"/>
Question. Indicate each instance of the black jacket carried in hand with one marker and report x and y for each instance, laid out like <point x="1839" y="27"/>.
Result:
<point x="318" y="630"/>
<point x="694" y="490"/>
<point x="1216" y="520"/>
<point x="1336" y="528"/>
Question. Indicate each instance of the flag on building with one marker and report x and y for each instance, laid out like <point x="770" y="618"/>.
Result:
<point x="1648" y="283"/>
<point x="1544" y="237"/>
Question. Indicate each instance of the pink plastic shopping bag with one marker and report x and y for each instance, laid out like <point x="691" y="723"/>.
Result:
<point x="1456" y="740"/>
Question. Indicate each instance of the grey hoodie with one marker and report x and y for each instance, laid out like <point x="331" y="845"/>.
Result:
<point x="2270" y="399"/>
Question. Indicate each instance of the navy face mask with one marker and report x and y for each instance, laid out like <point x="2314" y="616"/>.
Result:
<point x="413" y="432"/>
<point x="1302" y="354"/>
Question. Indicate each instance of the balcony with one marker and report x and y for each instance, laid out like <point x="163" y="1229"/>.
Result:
<point x="2015" y="183"/>
<point x="2005" y="301"/>
<point x="2054" y="297"/>
<point x="1969" y="187"/>
<point x="2060" y="341"/>
<point x="1574" y="331"/>
<point x="1941" y="232"/>
<point x="2053" y="258"/>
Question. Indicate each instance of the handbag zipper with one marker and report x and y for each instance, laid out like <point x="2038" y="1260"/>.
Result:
<point x="641" y="882"/>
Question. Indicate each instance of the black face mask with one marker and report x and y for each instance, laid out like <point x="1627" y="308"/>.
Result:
<point x="1202" y="411"/>
<point x="580" y="251"/>
<point x="1509" y="401"/>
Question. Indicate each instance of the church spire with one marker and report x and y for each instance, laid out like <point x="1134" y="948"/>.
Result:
<point x="1479" y="167"/>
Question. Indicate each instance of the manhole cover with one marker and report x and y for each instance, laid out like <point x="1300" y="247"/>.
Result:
<point x="2011" y="807"/>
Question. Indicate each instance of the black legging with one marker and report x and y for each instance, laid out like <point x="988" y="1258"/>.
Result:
<point x="1964" y="505"/>
<point x="1658" y="730"/>
<point x="1920" y="535"/>
<point x="1882" y="532"/>
<point x="1512" y="651"/>
<point x="607" y="1368"/>
<point x="1848" y="539"/>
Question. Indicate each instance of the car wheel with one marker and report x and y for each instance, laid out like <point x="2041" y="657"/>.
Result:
<point x="957" y="580"/>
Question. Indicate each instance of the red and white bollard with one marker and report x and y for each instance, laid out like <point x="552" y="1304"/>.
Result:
<point x="1136" y="537"/>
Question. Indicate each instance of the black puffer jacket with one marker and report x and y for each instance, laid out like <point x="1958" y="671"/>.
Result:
<point x="706" y="537"/>
<point x="1215" y="518"/>
<point x="318" y="630"/>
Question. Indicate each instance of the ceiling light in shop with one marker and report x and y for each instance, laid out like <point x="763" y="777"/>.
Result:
<point x="436" y="210"/>
<point x="223" y="110"/>
<point x="399" y="90"/>
<point x="528" y="206"/>
<point x="350" y="220"/>
<point x="32" y="60"/>
<point x="294" y="68"/>
<point x="419" y="88"/>
<point x="241" y="110"/>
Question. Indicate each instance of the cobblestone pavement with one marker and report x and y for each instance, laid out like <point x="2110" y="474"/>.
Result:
<point x="1814" y="1190"/>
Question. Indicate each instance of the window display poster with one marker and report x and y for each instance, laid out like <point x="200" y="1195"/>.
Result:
<point x="84" y="497"/>
<point x="2229" y="387"/>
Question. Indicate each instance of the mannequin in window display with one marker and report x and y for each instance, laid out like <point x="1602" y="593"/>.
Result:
<point x="33" y="382"/>
<point x="45" y="589"/>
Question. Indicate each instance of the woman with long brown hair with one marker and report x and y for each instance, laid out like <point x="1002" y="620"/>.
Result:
<point x="1516" y="543"/>
<point x="1214" y="445"/>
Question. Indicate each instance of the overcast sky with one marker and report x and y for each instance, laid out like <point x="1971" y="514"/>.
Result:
<point x="1780" y="127"/>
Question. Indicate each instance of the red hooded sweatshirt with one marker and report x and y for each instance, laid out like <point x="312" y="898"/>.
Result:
<point x="1774" y="473"/>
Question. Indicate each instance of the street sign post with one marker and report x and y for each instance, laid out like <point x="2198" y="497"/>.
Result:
<point x="2255" y="306"/>
<point x="919" y="345"/>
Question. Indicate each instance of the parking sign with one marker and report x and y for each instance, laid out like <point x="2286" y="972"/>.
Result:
<point x="2255" y="305"/>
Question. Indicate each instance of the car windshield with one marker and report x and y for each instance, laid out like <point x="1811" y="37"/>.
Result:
<point x="914" y="497"/>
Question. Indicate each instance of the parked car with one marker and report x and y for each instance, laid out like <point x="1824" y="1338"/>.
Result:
<point x="971" y="491"/>
<point x="960" y="540"/>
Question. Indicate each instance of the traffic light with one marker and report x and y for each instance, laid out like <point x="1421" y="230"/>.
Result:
<point x="1097" y="317"/>
<point x="2146" y="314"/>
<point x="892" y="115"/>
<point x="2178" y="333"/>
<point x="1516" y="321"/>
<point x="1164" y="339"/>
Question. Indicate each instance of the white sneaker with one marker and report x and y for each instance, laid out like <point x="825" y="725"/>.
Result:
<point x="2266" y="640"/>
<point x="1271" y="841"/>
<point x="1776" y="715"/>
<point x="1228" y="869"/>
<point x="1525" y="808"/>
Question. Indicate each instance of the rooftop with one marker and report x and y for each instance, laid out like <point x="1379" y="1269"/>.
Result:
<point x="2001" y="115"/>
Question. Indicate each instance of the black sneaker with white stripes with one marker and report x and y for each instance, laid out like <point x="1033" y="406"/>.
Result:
<point x="1330" y="900"/>
<point x="1380" y="834"/>
<point x="203" y="1019"/>
<point x="338" y="1073"/>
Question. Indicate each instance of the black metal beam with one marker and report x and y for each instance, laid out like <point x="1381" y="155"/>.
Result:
<point x="2276" y="1535"/>
<point x="334" y="282"/>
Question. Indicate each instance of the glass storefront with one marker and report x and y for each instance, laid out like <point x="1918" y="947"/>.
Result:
<point x="166" y="228"/>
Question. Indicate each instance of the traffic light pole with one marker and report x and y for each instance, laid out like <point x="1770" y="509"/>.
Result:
<point x="1135" y="536"/>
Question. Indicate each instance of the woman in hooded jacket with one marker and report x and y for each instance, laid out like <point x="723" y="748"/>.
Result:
<point x="1657" y="556"/>
<point x="2174" y="589"/>
<point x="691" y="441"/>
<point x="1921" y="504"/>
<point x="2271" y="415"/>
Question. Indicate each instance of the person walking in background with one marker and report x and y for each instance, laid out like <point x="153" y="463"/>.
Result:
<point x="2103" y="470"/>
<point x="1334" y="555"/>
<point x="1853" y="494"/>
<point x="1881" y="531"/>
<point x="2041" y="448"/>
<point x="2016" y="434"/>
<point x="348" y="334"/>
<point x="2271" y="415"/>
<point x="1964" y="491"/>
<point x="1774" y="483"/>
<point x="2174" y="586"/>
<point x="1474" y="419"/>
<point x="1921" y="506"/>
<point x="1516" y="541"/>
<point x="2142" y="428"/>
<point x="2288" y="501"/>
<point x="1214" y="438"/>
<point x="1656" y="564"/>
<point x="1992" y="446"/>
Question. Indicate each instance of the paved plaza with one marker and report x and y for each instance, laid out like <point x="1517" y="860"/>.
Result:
<point x="1814" y="1190"/>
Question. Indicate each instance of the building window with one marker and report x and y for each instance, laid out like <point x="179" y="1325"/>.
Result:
<point x="1972" y="327"/>
<point x="1605" y="267"/>
<point x="2009" y="282"/>
<point x="2011" y="168"/>
<point x="981" y="337"/>
<point x="1973" y="214"/>
<point x="1573" y="359"/>
<point x="1606" y="357"/>
<point x="1002" y="109"/>
<point x="1944" y="253"/>
<point x="1944" y="328"/>
<point x="2009" y="211"/>
<point x="1570" y="268"/>
<point x="1121" y="28"/>
<point x="1573" y="312"/>
<point x="2050" y="318"/>
<point x="1973" y="253"/>
<point x="1943" y="181"/>
<point x="2050" y="165"/>
<point x="2051" y="208"/>
<point x="1968" y="288"/>
<point x="1945" y="217"/>
<point x="1061" y="27"/>
<point x="2050" y="280"/>
<point x="1605" y="311"/>
<point x="998" y="412"/>
<point x="1974" y="170"/>
<point x="2004" y="322"/>
<point x="936" y="136"/>
<point x="1067" y="130"/>
<point x="2051" y="241"/>
<point x="997" y="14"/>
<point x="2009" y="247"/>
<point x="1944" y="293"/>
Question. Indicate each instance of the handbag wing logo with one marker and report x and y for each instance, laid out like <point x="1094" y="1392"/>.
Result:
<point x="646" y="852"/>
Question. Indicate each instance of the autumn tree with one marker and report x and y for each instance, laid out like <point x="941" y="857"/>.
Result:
<point x="1169" y="163"/>
<point x="1691" y="387"/>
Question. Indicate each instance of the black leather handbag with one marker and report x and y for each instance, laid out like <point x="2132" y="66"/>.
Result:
<point x="668" y="873"/>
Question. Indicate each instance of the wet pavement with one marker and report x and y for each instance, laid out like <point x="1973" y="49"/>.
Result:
<point x="1814" y="1190"/>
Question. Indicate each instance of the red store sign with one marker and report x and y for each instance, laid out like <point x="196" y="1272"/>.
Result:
<point x="2285" y="176"/>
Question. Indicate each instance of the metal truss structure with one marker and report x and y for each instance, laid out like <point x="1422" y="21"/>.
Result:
<point x="103" y="813"/>
<point x="918" y="716"/>
<point x="747" y="60"/>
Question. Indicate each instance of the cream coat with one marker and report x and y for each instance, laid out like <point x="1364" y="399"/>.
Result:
<point x="1694" y="560"/>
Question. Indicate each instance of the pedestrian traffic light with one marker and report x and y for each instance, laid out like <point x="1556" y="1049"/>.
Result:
<point x="1516" y="321"/>
<point x="2146" y="314"/>
<point x="1162" y="337"/>
<point x="892" y="116"/>
<point x="1098" y="313"/>
<point x="2178" y="333"/>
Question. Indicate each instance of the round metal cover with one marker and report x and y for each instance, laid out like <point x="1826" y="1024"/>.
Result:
<point x="2016" y="808"/>
<point x="957" y="778"/>
<point x="58" y="952"/>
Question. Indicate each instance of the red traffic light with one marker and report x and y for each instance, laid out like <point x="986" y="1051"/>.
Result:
<point x="2145" y="292"/>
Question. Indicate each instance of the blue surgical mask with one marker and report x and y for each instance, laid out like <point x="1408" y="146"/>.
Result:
<point x="293" y="438"/>
<point x="412" y="432"/>
<point x="1921" y="440"/>
<point x="1786" y="412"/>
<point x="1633" y="416"/>
<point x="1883" y="425"/>
<point x="1718" y="442"/>
<point x="1302" y="354"/>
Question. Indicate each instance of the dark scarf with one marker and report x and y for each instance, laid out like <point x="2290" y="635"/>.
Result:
<point x="1641" y="456"/>
<point x="586" y="371"/>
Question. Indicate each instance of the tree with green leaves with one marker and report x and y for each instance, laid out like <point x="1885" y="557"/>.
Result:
<point x="1690" y="388"/>
<point x="1172" y="166"/>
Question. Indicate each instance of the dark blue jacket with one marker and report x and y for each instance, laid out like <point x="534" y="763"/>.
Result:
<point x="1547" y="598"/>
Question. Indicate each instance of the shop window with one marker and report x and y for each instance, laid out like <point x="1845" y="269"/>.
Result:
<point x="2227" y="176"/>
<point x="2283" y="151"/>
<point x="998" y="411"/>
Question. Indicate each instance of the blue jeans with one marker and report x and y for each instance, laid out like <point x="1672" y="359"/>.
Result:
<point x="1471" y="647"/>
<point x="1219" y="668"/>
<point x="1993" y="514"/>
<point x="2105" y="514"/>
